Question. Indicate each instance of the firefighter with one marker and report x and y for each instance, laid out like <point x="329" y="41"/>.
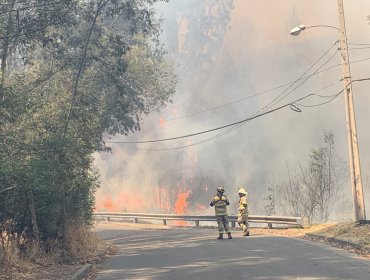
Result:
<point x="220" y="201"/>
<point x="243" y="211"/>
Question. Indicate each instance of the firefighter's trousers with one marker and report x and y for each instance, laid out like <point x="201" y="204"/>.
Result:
<point x="243" y="223"/>
<point x="223" y="224"/>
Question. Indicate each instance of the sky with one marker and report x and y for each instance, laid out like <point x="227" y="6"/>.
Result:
<point x="224" y="63"/>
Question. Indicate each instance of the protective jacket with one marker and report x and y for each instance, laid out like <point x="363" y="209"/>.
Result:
<point x="220" y="202"/>
<point x="243" y="205"/>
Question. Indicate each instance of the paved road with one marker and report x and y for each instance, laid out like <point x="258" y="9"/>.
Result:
<point x="187" y="254"/>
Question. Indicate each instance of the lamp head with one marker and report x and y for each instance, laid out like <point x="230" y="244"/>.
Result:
<point x="296" y="30"/>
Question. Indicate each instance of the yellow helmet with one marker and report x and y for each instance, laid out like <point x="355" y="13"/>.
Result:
<point x="242" y="191"/>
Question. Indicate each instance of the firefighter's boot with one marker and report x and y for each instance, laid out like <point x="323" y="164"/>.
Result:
<point x="221" y="236"/>
<point x="229" y="236"/>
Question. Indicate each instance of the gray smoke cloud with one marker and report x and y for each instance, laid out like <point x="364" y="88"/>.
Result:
<point x="226" y="51"/>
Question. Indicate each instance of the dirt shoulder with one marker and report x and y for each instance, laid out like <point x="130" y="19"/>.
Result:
<point x="46" y="269"/>
<point x="352" y="232"/>
<point x="349" y="236"/>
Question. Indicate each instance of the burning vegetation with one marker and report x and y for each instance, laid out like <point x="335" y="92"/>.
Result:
<point x="191" y="198"/>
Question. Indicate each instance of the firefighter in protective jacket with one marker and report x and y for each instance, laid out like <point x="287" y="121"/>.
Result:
<point x="243" y="211"/>
<point x="220" y="201"/>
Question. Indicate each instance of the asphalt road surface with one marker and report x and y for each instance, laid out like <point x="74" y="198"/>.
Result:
<point x="197" y="254"/>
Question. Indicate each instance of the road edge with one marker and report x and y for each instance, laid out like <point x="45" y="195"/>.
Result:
<point x="82" y="272"/>
<point x="341" y="242"/>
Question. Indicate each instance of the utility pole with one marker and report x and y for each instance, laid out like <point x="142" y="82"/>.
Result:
<point x="354" y="159"/>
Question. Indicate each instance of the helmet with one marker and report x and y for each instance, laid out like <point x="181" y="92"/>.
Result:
<point x="242" y="191"/>
<point x="220" y="189"/>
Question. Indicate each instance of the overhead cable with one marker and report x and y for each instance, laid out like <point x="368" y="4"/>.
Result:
<point x="284" y="94"/>
<point x="231" y="124"/>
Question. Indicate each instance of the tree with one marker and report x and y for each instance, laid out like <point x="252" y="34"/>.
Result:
<point x="24" y="23"/>
<point x="312" y="189"/>
<point x="270" y="206"/>
<point x="88" y="69"/>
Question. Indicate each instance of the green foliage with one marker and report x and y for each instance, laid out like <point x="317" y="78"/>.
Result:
<point x="84" y="69"/>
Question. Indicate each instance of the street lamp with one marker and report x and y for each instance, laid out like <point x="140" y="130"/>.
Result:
<point x="354" y="158"/>
<point x="297" y="30"/>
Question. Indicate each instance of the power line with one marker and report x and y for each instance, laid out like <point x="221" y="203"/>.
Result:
<point x="196" y="143"/>
<point x="230" y="129"/>
<point x="282" y="95"/>
<point x="199" y="133"/>
<point x="359" y="44"/>
<point x="359" y="48"/>
<point x="332" y="97"/>
<point x="230" y="124"/>
<point x="360" y="60"/>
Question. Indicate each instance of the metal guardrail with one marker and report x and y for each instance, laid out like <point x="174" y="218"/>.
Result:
<point x="111" y="216"/>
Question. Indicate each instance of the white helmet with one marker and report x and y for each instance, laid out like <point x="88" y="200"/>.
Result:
<point x="242" y="191"/>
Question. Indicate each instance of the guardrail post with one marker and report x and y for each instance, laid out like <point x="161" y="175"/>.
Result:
<point x="233" y="224"/>
<point x="305" y="222"/>
<point x="135" y="220"/>
<point x="197" y="223"/>
<point x="108" y="219"/>
<point x="164" y="222"/>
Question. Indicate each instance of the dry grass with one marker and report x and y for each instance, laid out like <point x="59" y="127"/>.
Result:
<point x="21" y="259"/>
<point x="81" y="242"/>
<point x="14" y="248"/>
<point x="9" y="252"/>
<point x="350" y="231"/>
<point x="281" y="231"/>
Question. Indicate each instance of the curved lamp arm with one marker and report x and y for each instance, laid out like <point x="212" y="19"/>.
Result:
<point x="297" y="30"/>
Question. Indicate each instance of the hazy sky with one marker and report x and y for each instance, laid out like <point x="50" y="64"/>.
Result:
<point x="255" y="53"/>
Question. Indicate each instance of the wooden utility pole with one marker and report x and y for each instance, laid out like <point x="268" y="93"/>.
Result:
<point x="354" y="159"/>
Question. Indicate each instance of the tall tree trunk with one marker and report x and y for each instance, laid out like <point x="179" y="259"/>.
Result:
<point x="64" y="223"/>
<point x="5" y="48"/>
<point x="35" y="227"/>
<point x="79" y="74"/>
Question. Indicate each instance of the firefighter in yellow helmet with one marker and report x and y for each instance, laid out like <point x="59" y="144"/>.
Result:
<point x="243" y="211"/>
<point x="220" y="201"/>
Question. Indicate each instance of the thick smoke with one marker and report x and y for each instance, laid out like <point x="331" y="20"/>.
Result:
<point x="226" y="51"/>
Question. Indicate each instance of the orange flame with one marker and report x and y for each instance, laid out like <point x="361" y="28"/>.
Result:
<point x="126" y="201"/>
<point x="181" y="205"/>
<point x="107" y="203"/>
<point x="162" y="123"/>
